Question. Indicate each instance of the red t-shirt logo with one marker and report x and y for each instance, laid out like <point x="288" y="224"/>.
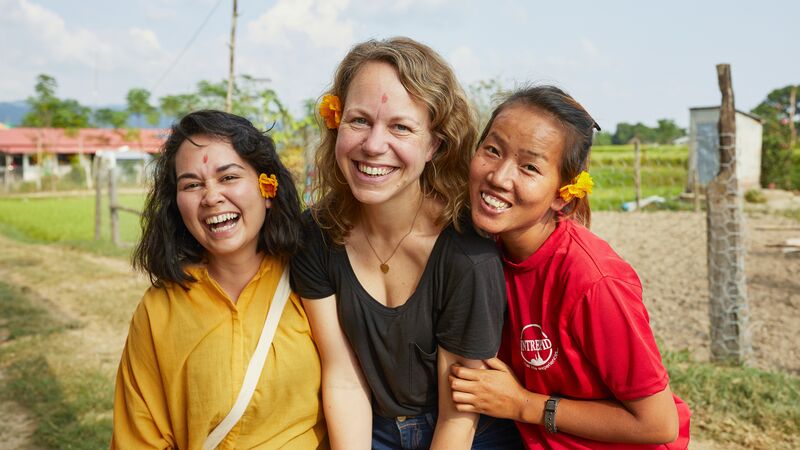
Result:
<point x="536" y="348"/>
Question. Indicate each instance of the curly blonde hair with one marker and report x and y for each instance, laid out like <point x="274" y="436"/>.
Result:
<point x="429" y="80"/>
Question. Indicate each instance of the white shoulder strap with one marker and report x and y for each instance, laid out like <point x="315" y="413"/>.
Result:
<point x="255" y="366"/>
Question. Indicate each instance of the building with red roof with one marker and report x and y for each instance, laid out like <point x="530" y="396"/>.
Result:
<point x="25" y="149"/>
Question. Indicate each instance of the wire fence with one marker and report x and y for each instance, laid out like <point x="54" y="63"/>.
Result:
<point x="661" y="172"/>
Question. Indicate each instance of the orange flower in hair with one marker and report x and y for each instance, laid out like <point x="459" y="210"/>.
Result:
<point x="331" y="110"/>
<point x="580" y="187"/>
<point x="268" y="185"/>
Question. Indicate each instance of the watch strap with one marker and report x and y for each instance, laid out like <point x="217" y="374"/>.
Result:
<point x="550" y="407"/>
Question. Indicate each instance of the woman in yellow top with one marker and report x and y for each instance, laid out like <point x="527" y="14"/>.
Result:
<point x="216" y="238"/>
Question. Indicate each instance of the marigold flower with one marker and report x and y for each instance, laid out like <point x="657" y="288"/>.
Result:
<point x="581" y="186"/>
<point x="268" y="185"/>
<point x="331" y="110"/>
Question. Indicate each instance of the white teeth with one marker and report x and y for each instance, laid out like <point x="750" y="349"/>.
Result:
<point x="221" y="218"/>
<point x="494" y="202"/>
<point x="223" y="228"/>
<point x="374" y="171"/>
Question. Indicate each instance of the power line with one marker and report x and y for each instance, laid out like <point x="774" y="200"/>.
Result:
<point x="185" y="48"/>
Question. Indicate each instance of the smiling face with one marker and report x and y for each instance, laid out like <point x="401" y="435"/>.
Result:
<point x="218" y="197"/>
<point x="384" y="139"/>
<point x="514" y="177"/>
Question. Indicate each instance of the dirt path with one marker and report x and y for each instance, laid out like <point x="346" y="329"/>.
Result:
<point x="95" y="294"/>
<point x="668" y="251"/>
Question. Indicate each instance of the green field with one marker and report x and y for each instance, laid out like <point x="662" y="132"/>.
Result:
<point x="664" y="173"/>
<point x="67" y="220"/>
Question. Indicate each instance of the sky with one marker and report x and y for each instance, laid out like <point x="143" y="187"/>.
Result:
<point x="625" y="61"/>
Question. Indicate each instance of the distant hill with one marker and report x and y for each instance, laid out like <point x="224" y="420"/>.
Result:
<point x="11" y="113"/>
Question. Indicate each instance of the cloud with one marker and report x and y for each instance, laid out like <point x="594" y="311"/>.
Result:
<point x="49" y="30"/>
<point x="466" y="63"/>
<point x="317" y="20"/>
<point x="145" y="42"/>
<point x="158" y="12"/>
<point x="590" y="48"/>
<point x="402" y="5"/>
<point x="87" y="63"/>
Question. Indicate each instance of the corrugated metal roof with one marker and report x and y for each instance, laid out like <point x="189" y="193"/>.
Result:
<point x="750" y="115"/>
<point x="85" y="140"/>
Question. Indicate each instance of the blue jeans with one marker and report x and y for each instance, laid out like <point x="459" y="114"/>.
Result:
<point x="416" y="432"/>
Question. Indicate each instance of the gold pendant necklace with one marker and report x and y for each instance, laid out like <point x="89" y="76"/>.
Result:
<point x="384" y="266"/>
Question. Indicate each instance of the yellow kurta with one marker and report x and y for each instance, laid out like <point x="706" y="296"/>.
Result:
<point x="185" y="360"/>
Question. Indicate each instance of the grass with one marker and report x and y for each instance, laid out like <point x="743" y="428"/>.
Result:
<point x="71" y="405"/>
<point x="745" y="406"/>
<point x="68" y="221"/>
<point x="663" y="173"/>
<point x="791" y="213"/>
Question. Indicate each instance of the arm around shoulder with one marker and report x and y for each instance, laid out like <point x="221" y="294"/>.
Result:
<point x="345" y="393"/>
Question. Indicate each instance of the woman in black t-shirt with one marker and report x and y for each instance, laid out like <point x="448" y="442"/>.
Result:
<point x="396" y="287"/>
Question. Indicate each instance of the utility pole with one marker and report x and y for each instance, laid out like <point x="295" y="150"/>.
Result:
<point x="232" y="46"/>
<point x="792" y="113"/>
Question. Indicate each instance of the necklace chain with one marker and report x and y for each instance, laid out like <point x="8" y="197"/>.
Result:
<point x="384" y="266"/>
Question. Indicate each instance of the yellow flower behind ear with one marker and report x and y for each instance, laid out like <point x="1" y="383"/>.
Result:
<point x="268" y="185"/>
<point x="581" y="186"/>
<point x="331" y="110"/>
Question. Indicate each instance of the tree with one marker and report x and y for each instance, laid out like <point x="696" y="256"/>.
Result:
<point x="177" y="106"/>
<point x="603" y="138"/>
<point x="47" y="110"/>
<point x="112" y="118"/>
<point x="667" y="131"/>
<point x="139" y="106"/>
<point x="484" y="96"/>
<point x="779" y="112"/>
<point x="664" y="133"/>
<point x="252" y="99"/>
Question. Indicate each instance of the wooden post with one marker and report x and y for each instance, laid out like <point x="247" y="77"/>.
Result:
<point x="39" y="161"/>
<point x="637" y="172"/>
<point x="696" y="187"/>
<point x="7" y="174"/>
<point x="728" y="308"/>
<point x="112" y="205"/>
<point x="97" y="167"/>
<point x="229" y="97"/>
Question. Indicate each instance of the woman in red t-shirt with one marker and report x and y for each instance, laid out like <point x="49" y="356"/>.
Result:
<point x="578" y="367"/>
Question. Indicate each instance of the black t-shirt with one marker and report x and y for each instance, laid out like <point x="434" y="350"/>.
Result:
<point x="458" y="304"/>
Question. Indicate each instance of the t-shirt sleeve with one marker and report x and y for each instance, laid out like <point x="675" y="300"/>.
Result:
<point x="471" y="319"/>
<point x="613" y="328"/>
<point x="309" y="270"/>
<point x="141" y="418"/>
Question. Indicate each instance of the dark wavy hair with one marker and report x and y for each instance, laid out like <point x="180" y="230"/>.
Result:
<point x="167" y="245"/>
<point x="578" y="127"/>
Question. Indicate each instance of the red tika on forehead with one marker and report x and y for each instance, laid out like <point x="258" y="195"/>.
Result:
<point x="384" y="98"/>
<point x="205" y="159"/>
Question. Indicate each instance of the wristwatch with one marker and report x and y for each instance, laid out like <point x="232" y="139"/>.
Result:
<point x="550" y="414"/>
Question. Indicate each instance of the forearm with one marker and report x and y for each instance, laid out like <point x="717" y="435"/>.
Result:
<point x="345" y="392"/>
<point x="607" y="421"/>
<point x="454" y="429"/>
<point x="348" y="415"/>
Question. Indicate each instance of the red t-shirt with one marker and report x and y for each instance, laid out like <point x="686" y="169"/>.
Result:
<point x="577" y="328"/>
